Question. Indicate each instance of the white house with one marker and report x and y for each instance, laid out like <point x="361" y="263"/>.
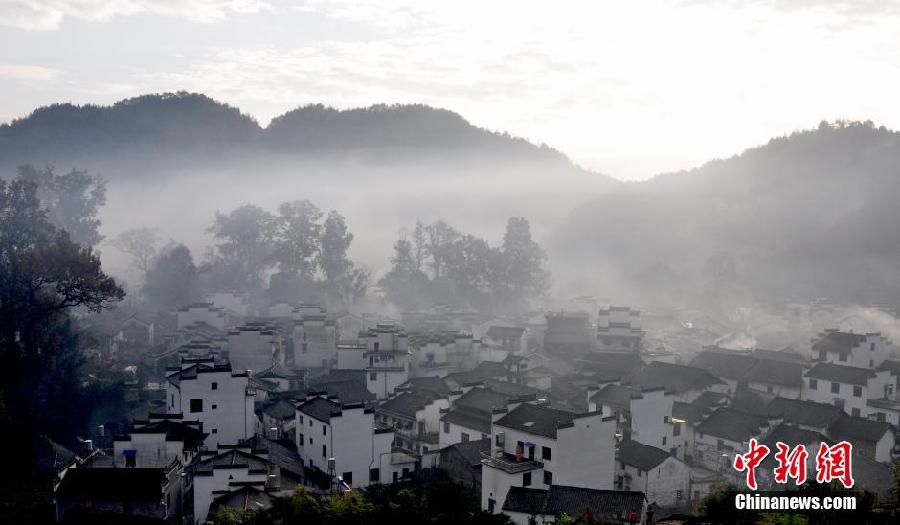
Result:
<point x="512" y="339"/>
<point x="348" y="434"/>
<point x="852" y="349"/>
<point x="721" y="435"/>
<point x="848" y="387"/>
<point x="387" y="359"/>
<point x="663" y="478"/>
<point x="537" y="447"/>
<point x="223" y="470"/>
<point x="255" y="346"/>
<point x="204" y="313"/>
<point x="159" y="440"/>
<point x="415" y="418"/>
<point x="619" y="329"/>
<point x="643" y="416"/>
<point x="315" y="340"/>
<point x="235" y="303"/>
<point x="214" y="395"/>
<point x="527" y="506"/>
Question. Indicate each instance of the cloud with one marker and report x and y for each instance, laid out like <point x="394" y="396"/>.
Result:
<point x="46" y="15"/>
<point x="28" y="73"/>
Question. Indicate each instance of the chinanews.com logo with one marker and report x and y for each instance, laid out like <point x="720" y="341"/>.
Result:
<point x="832" y="463"/>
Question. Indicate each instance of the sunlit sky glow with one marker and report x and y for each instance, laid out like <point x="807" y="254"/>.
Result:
<point x="630" y="89"/>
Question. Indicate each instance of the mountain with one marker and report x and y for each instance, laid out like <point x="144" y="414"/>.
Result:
<point x="811" y="214"/>
<point x="168" y="129"/>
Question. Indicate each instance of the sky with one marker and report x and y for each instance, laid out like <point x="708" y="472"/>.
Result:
<point x="629" y="89"/>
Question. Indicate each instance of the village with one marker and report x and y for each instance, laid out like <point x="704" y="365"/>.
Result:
<point x="634" y="414"/>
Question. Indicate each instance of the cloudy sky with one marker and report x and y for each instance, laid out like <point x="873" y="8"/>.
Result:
<point x="629" y="88"/>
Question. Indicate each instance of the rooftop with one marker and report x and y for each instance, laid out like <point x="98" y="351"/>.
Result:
<point x="841" y="374"/>
<point x="643" y="457"/>
<point x="839" y="342"/>
<point x="613" y="505"/>
<point x="537" y="420"/>
<point x="676" y="379"/>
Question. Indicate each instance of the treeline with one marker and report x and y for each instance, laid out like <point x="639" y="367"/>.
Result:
<point x="437" y="502"/>
<point x="438" y="264"/>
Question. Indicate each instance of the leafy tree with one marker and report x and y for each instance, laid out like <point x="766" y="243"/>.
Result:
<point x="72" y="200"/>
<point x="297" y="232"/>
<point x="405" y="284"/>
<point x="343" y="280"/>
<point x="140" y="243"/>
<point x="439" y="239"/>
<point x="521" y="275"/>
<point x="172" y="280"/>
<point x="245" y="248"/>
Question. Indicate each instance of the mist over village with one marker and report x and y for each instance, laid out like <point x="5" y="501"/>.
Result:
<point x="393" y="262"/>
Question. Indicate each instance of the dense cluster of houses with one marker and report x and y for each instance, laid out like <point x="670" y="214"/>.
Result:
<point x="540" y="414"/>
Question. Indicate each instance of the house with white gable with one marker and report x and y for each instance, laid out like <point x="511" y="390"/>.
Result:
<point x="337" y="440"/>
<point x="219" y="398"/>
<point x="386" y="359"/>
<point x="415" y="418"/>
<point x="644" y="416"/>
<point x="232" y="302"/>
<point x="847" y="387"/>
<point x="255" y="346"/>
<point x="619" y="329"/>
<point x="685" y="383"/>
<point x="223" y="470"/>
<point x="663" y="478"/>
<point x="315" y="338"/>
<point x="538" y="447"/>
<point x="201" y="313"/>
<point x="852" y="349"/>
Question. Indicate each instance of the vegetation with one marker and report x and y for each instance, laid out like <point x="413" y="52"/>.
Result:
<point x="417" y="501"/>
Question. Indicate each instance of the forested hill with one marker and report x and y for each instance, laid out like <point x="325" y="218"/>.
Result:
<point x="167" y="129"/>
<point x="814" y="213"/>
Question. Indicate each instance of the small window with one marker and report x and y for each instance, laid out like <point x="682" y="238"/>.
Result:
<point x="871" y="347"/>
<point x="301" y="440"/>
<point x="324" y="430"/>
<point x="857" y="391"/>
<point x="377" y="345"/>
<point x="526" y="479"/>
<point x="374" y="475"/>
<point x="214" y="407"/>
<point x="835" y="388"/>
<point x="464" y="437"/>
<point x="854" y="412"/>
<point x="196" y="405"/>
<point x="300" y="419"/>
<point x="871" y="363"/>
<point x="348" y="478"/>
<point x="843" y="357"/>
<point x="720" y="445"/>
<point x="880" y="417"/>
<point x="676" y="429"/>
<point x="491" y="504"/>
<point x="446" y="427"/>
<point x="373" y="376"/>
<point x="324" y="451"/>
<point x="813" y="384"/>
<point x="664" y="441"/>
<point x="769" y="389"/>
<point x="215" y="386"/>
<point x="310" y="441"/>
<point x="546" y="454"/>
<point x="215" y="431"/>
<point x="548" y="478"/>
<point x="310" y="423"/>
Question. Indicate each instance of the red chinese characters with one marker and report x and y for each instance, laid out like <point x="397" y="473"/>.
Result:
<point x="791" y="463"/>
<point x="750" y="460"/>
<point x="834" y="463"/>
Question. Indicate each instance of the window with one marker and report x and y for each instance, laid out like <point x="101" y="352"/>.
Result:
<point x="664" y="441"/>
<point x="196" y="405"/>
<point x="324" y="430"/>
<point x="548" y="478"/>
<point x="880" y="417"/>
<point x="822" y="355"/>
<point x="665" y="420"/>
<point x="214" y="407"/>
<point x="373" y="376"/>
<point x="720" y="445"/>
<point x="871" y="347"/>
<point x="446" y="427"/>
<point x="377" y="345"/>
<point x="854" y="412"/>
<point x="857" y="391"/>
<point x="871" y="363"/>
<point x="491" y="503"/>
<point x="526" y="479"/>
<point x="348" y="478"/>
<point x="215" y="386"/>
<point x="304" y="347"/>
<point x="310" y="441"/>
<point x="173" y="400"/>
<point x="835" y="388"/>
<point x="301" y="440"/>
<point x="464" y="437"/>
<point x="215" y="431"/>
<point x="324" y="452"/>
<point x="843" y="357"/>
<point x="813" y="384"/>
<point x="300" y="419"/>
<point x="310" y="423"/>
<point x="676" y="430"/>
<point x="546" y="453"/>
<point x="769" y="389"/>
<point x="374" y="475"/>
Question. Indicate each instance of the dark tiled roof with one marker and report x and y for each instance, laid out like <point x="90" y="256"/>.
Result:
<point x="174" y="430"/>
<point x="891" y="366"/>
<point x="433" y="385"/>
<point x="482" y="399"/>
<point x="538" y="420"/>
<point x="792" y="435"/>
<point x="468" y="418"/>
<point x="614" y="505"/>
<point x="279" y="409"/>
<point x="781" y="356"/>
<point x="246" y="497"/>
<point x="231" y="458"/>
<point x="840" y="342"/>
<point x="841" y="374"/>
<point x="484" y="370"/>
<point x="616" y="396"/>
<point x="613" y="365"/>
<point x="776" y="373"/>
<point x="724" y="363"/>
<point x="471" y="450"/>
<point x="643" y="457"/>
<point x="349" y="391"/>
<point x="871" y="475"/>
<point x="505" y="332"/>
<point x="99" y="484"/>
<point x="732" y="424"/>
<point x="278" y="372"/>
<point x="319" y="408"/>
<point x="674" y="378"/>
<point x="341" y="374"/>
<point x="855" y="429"/>
<point x="406" y="404"/>
<point x="804" y="413"/>
<point x="513" y="389"/>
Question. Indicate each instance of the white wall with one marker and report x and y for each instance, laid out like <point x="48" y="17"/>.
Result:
<point x="228" y="412"/>
<point x="651" y="416"/>
<point x="219" y="480"/>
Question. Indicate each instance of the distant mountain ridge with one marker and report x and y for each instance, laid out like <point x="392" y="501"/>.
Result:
<point x="194" y="125"/>
<point x="810" y="214"/>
